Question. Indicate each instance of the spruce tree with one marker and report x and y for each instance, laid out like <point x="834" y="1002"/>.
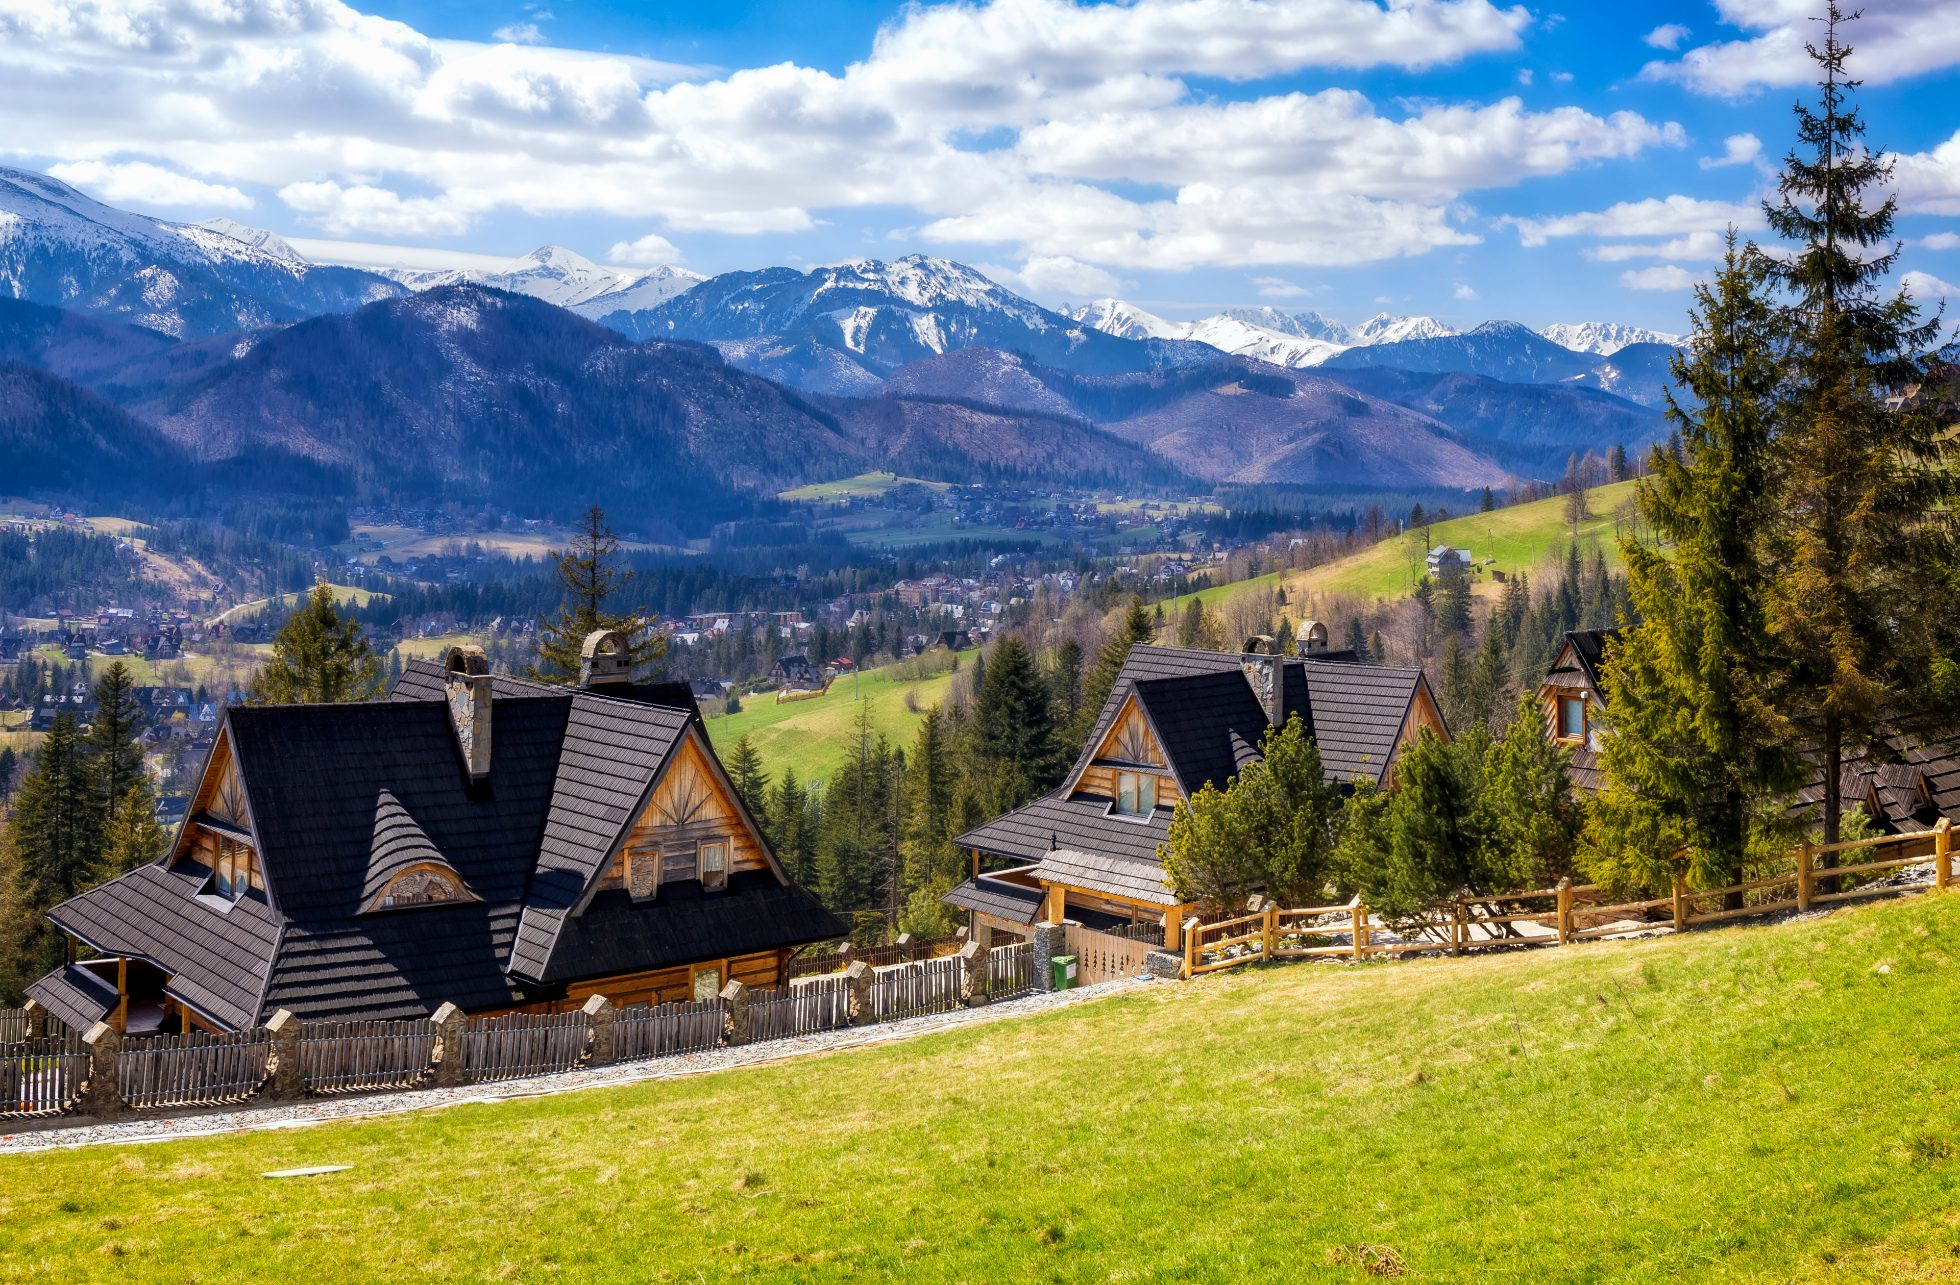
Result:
<point x="54" y="839"/>
<point x="591" y="577"/>
<point x="1133" y="631"/>
<point x="931" y="863"/>
<point x="318" y="657"/>
<point x="745" y="773"/>
<point x="112" y="734"/>
<point x="1695" y="765"/>
<point x="1014" y="732"/>
<point x="1867" y="492"/>
<point x="131" y="838"/>
<point x="789" y="827"/>
<point x="1065" y="680"/>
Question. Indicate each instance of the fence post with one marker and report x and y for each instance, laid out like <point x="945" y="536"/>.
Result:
<point x="846" y="955"/>
<point x="1459" y="926"/>
<point x="1803" y="876"/>
<point x="1680" y="903"/>
<point x="102" y="1095"/>
<point x="449" y="1046"/>
<point x="1358" y="926"/>
<point x="1942" y="853"/>
<point x="857" y="983"/>
<point x="1565" y="912"/>
<point x="973" y="974"/>
<point x="287" y="1082"/>
<point x="735" y="1026"/>
<point x="1190" y="931"/>
<point x="36" y="1018"/>
<point x="599" y="1013"/>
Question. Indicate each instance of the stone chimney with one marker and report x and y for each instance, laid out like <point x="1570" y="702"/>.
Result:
<point x="466" y="684"/>
<point x="1262" y="674"/>
<point x="1312" y="639"/>
<point x="603" y="659"/>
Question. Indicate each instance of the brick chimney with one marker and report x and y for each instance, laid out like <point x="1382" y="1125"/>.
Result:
<point x="466" y="685"/>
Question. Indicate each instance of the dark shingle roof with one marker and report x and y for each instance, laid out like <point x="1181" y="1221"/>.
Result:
<point x="755" y="912"/>
<point x="1027" y="833"/>
<point x="399" y="842"/>
<point x="1358" y="712"/>
<point x="217" y="956"/>
<point x="75" y="995"/>
<point x="1014" y="902"/>
<point x="1210" y="725"/>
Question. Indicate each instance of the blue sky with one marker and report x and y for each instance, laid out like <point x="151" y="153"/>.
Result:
<point x="1455" y="157"/>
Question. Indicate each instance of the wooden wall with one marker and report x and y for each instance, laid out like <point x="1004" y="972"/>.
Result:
<point x="767" y="969"/>
<point x="1102" y="781"/>
<point x="689" y="805"/>
<point x="1129" y="738"/>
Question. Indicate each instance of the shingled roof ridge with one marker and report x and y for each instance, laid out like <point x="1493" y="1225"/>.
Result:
<point x="399" y="842"/>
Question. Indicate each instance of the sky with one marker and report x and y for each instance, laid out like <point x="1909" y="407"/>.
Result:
<point x="1461" y="158"/>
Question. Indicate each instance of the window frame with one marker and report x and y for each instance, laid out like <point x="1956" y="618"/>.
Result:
<point x="1585" y="720"/>
<point x="1136" y="786"/>
<point x="701" y="871"/>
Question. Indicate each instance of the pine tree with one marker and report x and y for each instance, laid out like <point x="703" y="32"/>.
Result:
<point x="856" y="824"/>
<point x="1530" y="818"/>
<point x="1191" y="625"/>
<point x="1065" y="680"/>
<point x="1489" y="501"/>
<point x="9" y="766"/>
<point x="1695" y="765"/>
<point x="318" y="658"/>
<point x="789" y="827"/>
<point x="131" y="838"/>
<point x="592" y="577"/>
<point x="745" y="773"/>
<point x="54" y="839"/>
<point x="931" y="862"/>
<point x="1867" y="493"/>
<point x="1014" y="733"/>
<point x="1616" y="463"/>
<point x="111" y="737"/>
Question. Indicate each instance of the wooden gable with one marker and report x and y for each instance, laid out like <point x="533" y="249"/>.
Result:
<point x="220" y="795"/>
<point x="692" y="802"/>
<point x="1131" y="742"/>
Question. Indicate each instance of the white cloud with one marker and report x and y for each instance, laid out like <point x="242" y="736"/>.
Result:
<point x="369" y="254"/>
<point x="1926" y="287"/>
<point x="649" y="251"/>
<point x="1941" y="241"/>
<point x="1279" y="288"/>
<point x="1893" y="41"/>
<point x="1705" y="246"/>
<point x="368" y="127"/>
<point x="1666" y="36"/>
<point x="1929" y="182"/>
<point x="1058" y="276"/>
<point x="1655" y="216"/>
<point x="140" y="183"/>
<point x="1525" y="76"/>
<point x="520" y="33"/>
<point x="1465" y="292"/>
<point x="1561" y="78"/>
<point x="1662" y="276"/>
<point x="1737" y="149"/>
<point x="365" y="208"/>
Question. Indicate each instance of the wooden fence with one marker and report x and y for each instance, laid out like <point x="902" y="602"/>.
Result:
<point x="192" y="1069"/>
<point x="360" y="1057"/>
<point x="662" y="1030"/>
<point x="902" y="951"/>
<point x="1010" y="971"/>
<point x="802" y="1008"/>
<point x="908" y="990"/>
<point x="518" y="1044"/>
<point x="41" y="1075"/>
<point x="1566" y="913"/>
<point x="1105" y="957"/>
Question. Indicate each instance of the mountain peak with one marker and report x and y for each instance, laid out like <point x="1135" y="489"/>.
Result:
<point x="1605" y="337"/>
<point x="559" y="258"/>
<point x="258" y="238"/>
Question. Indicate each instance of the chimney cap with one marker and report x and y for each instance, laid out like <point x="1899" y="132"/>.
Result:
<point x="604" y="658"/>
<point x="1258" y="645"/>
<point x="1312" y="638"/>
<point x="467" y="659"/>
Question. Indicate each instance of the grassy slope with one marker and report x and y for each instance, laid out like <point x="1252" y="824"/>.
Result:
<point x="1758" y="1103"/>
<point x="861" y="486"/>
<point x="815" y="736"/>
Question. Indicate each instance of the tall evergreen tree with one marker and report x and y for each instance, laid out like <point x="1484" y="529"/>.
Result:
<point x="131" y="837"/>
<point x="111" y="737"/>
<point x="54" y="840"/>
<point x="789" y="827"/>
<point x="1134" y="630"/>
<point x="1065" y="680"/>
<point x="1013" y="728"/>
<point x="318" y="657"/>
<point x="1867" y="493"/>
<point x="592" y="576"/>
<point x="751" y="782"/>
<point x="1695" y="765"/>
<point x="931" y="863"/>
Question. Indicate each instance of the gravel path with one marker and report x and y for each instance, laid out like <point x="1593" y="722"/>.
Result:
<point x="294" y="1115"/>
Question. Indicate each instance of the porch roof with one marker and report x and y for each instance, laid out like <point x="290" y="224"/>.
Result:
<point x="75" y="995"/>
<point x="1124" y="878"/>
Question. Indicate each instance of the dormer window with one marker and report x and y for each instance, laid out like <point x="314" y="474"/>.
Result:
<point x="711" y="863"/>
<point x="1572" y="718"/>
<point x="422" y="888"/>
<point x="1136" y="794"/>
<point x="231" y="869"/>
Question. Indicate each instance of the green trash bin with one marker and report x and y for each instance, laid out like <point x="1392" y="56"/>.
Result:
<point x="1064" y="971"/>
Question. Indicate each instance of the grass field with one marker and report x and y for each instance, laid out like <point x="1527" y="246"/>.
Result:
<point x="1769" y="1104"/>
<point x="814" y="735"/>
<point x="282" y="604"/>
<point x="863" y="486"/>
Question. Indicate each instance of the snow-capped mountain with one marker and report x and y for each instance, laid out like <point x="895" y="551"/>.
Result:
<point x="1502" y="350"/>
<point x="1241" y="338"/>
<point x="1301" y="325"/>
<point x="880" y="316"/>
<point x="60" y="247"/>
<point x="648" y="290"/>
<point x="1604" y="337"/>
<point x="551" y="273"/>
<point x="1265" y="334"/>
<point x="1124" y="320"/>
<point x="258" y="238"/>
<point x="1385" y="329"/>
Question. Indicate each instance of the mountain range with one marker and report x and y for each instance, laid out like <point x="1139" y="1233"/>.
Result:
<point x="217" y="352"/>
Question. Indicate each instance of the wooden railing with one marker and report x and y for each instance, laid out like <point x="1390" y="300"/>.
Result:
<point x="902" y="951"/>
<point x="1010" y="971"/>
<point x="1559" y="915"/>
<point x="665" y="1030"/>
<point x="192" y="1069"/>
<point x="517" y="1044"/>
<point x="363" y="1056"/>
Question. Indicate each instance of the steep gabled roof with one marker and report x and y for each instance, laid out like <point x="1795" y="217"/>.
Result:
<point x="1358" y="715"/>
<point x="400" y="844"/>
<point x="1210" y="725"/>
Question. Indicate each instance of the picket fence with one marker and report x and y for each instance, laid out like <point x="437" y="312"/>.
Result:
<point x="1567" y="913"/>
<point x="106" y="1072"/>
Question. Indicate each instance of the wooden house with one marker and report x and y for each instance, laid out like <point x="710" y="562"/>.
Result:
<point x="477" y="840"/>
<point x="1176" y="719"/>
<point x="1903" y="783"/>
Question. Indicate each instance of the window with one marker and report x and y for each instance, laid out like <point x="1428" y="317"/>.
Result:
<point x="1571" y="718"/>
<point x="1136" y="794"/>
<point x="231" y="869"/>
<point x="711" y="863"/>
